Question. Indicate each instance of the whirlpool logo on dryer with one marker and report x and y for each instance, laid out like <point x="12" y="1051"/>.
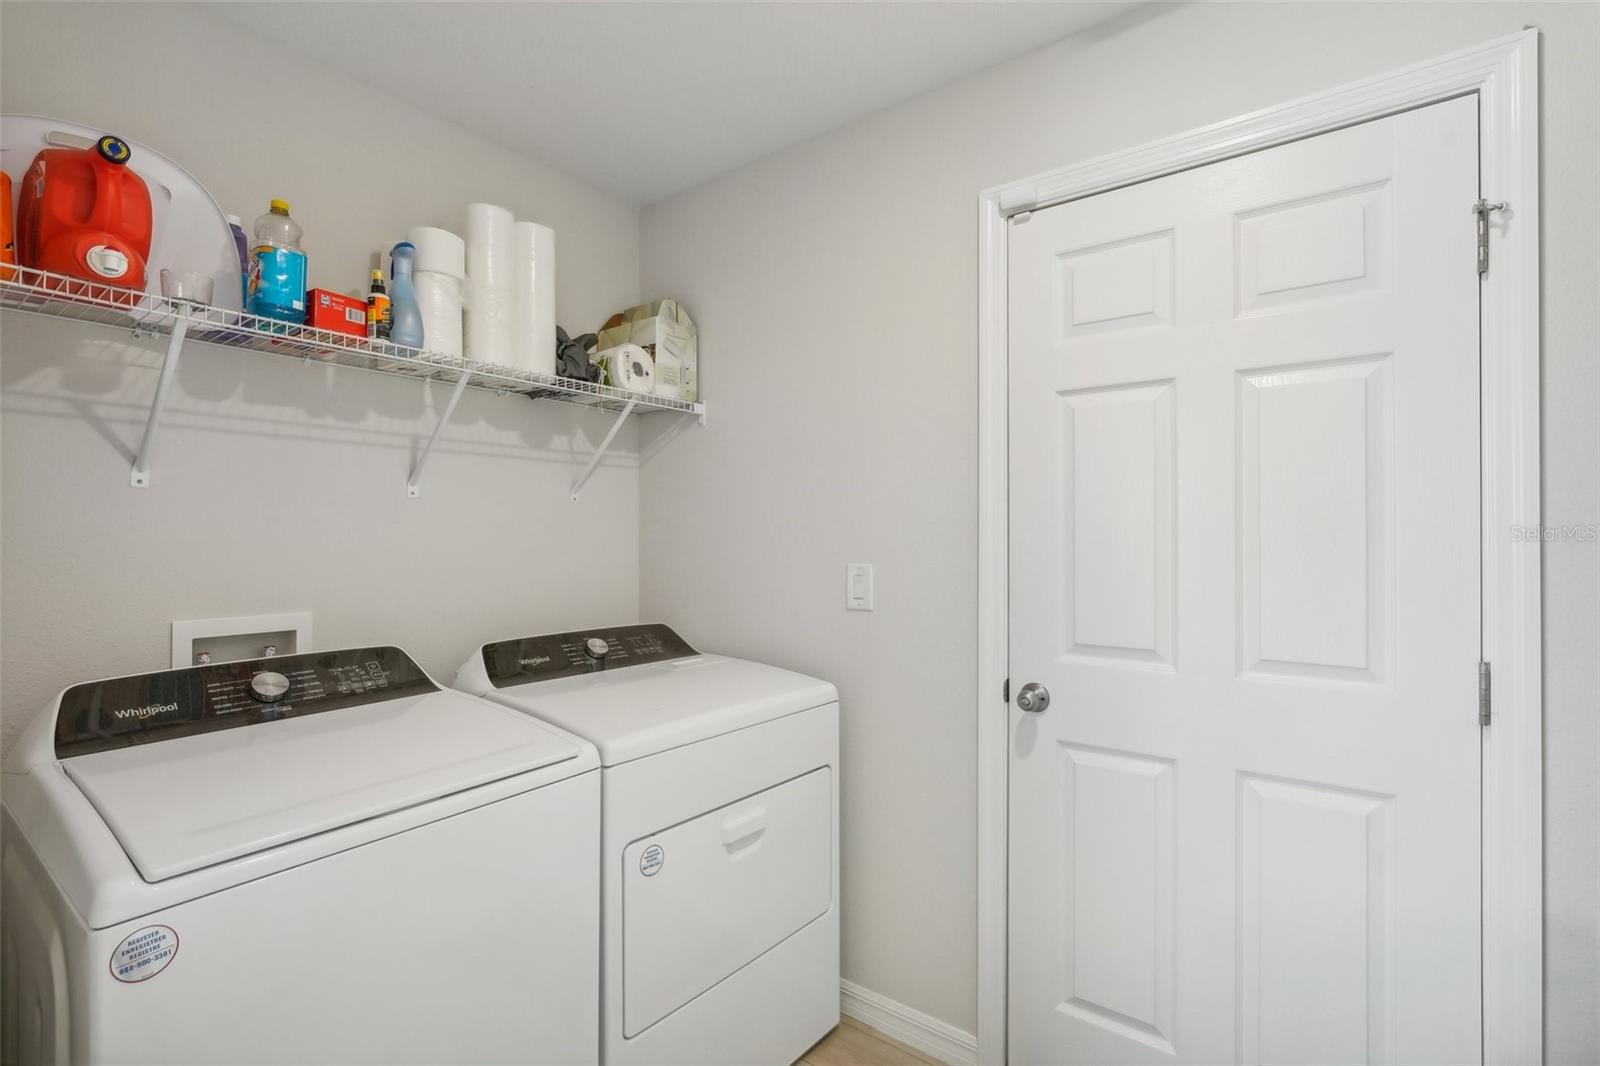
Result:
<point x="149" y="710"/>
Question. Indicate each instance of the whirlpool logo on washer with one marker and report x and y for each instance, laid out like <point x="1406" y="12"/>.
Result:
<point x="651" y="860"/>
<point x="534" y="660"/>
<point x="149" y="710"/>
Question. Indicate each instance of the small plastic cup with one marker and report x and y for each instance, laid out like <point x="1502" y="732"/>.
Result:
<point x="186" y="286"/>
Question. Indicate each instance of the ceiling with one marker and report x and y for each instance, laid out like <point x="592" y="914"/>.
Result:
<point x="647" y="99"/>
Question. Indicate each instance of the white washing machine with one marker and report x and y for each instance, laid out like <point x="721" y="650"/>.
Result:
<point x="312" y="858"/>
<point x="720" y="846"/>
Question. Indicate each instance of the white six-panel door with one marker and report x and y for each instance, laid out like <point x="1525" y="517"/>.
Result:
<point x="1244" y="561"/>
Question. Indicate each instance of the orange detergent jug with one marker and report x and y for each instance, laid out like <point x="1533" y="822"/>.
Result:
<point x="8" y="243"/>
<point x="83" y="213"/>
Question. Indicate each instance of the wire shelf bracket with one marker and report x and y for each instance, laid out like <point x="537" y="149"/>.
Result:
<point x="145" y="314"/>
<point x="413" y="488"/>
<point x="139" y="476"/>
<point x="599" y="453"/>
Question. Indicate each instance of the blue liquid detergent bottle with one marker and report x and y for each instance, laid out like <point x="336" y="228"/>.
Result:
<point x="405" y="316"/>
<point x="277" y="267"/>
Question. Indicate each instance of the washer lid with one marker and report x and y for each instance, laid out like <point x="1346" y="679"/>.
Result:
<point x="640" y="710"/>
<point x="186" y="796"/>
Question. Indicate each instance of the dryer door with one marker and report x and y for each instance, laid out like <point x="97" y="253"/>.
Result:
<point x="708" y="896"/>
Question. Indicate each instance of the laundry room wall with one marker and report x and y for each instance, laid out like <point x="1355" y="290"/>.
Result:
<point x="278" y="486"/>
<point x="835" y="287"/>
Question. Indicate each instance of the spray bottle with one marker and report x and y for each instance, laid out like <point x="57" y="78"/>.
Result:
<point x="405" y="316"/>
<point x="378" y="309"/>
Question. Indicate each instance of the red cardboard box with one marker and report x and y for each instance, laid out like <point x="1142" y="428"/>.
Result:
<point x="335" y="311"/>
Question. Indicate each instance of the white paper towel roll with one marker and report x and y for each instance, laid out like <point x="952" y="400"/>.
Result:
<point x="489" y="256"/>
<point x="533" y="307"/>
<point x="488" y="332"/>
<point x="439" y="250"/>
<point x="439" y="298"/>
<point x="629" y="367"/>
<point x="490" y="280"/>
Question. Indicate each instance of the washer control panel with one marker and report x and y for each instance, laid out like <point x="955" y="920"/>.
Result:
<point x="517" y="662"/>
<point x="144" y="708"/>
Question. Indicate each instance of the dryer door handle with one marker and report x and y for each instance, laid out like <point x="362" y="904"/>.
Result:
<point x="735" y="831"/>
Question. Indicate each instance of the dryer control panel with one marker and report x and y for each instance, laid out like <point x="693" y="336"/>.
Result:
<point x="144" y="708"/>
<point x="517" y="662"/>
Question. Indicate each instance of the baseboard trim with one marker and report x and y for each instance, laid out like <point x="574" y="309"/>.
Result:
<point x="928" y="1035"/>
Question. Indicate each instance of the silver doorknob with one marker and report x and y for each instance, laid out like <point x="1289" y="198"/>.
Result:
<point x="1033" y="697"/>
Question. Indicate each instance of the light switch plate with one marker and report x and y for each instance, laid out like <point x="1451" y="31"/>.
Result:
<point x="858" y="586"/>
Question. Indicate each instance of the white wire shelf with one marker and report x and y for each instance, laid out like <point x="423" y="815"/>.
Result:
<point x="38" y="292"/>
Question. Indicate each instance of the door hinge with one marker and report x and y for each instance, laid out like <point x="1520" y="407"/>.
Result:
<point x="1020" y="217"/>
<point x="1483" y="694"/>
<point x="1005" y="692"/>
<point x="1481" y="211"/>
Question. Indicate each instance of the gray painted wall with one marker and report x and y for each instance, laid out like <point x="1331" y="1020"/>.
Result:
<point x="835" y="287"/>
<point x="278" y="486"/>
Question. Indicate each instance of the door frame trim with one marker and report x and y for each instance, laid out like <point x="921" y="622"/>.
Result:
<point x="1504" y="74"/>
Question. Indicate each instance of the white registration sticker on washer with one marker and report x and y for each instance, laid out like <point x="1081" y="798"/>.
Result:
<point x="144" y="953"/>
<point x="651" y="860"/>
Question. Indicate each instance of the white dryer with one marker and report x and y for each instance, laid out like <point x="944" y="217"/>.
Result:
<point x="312" y="858"/>
<point x="720" y="847"/>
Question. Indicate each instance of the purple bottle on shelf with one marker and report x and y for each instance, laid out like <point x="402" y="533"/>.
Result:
<point x="241" y="243"/>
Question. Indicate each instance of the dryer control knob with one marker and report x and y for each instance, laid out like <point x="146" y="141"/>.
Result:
<point x="597" y="648"/>
<point x="269" y="686"/>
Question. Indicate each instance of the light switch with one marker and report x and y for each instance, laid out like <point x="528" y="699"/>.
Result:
<point x="858" y="586"/>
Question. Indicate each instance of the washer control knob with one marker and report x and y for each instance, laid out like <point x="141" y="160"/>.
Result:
<point x="597" y="647"/>
<point x="269" y="686"/>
